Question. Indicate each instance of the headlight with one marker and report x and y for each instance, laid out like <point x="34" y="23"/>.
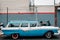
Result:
<point x="1" y="33"/>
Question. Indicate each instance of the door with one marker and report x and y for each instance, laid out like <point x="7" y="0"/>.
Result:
<point x="24" y="29"/>
<point x="35" y="30"/>
<point x="58" y="18"/>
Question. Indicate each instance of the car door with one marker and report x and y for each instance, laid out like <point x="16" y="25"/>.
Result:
<point x="35" y="30"/>
<point x="24" y="27"/>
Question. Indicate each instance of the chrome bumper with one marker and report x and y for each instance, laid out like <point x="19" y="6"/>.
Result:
<point x="58" y="32"/>
<point x="1" y="33"/>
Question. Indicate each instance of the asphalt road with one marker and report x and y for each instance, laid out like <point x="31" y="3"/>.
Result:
<point x="32" y="38"/>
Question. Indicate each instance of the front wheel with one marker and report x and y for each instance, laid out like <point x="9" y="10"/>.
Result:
<point x="48" y="35"/>
<point x="15" y="36"/>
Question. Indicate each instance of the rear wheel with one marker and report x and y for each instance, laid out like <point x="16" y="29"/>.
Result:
<point x="15" y="36"/>
<point x="48" y="35"/>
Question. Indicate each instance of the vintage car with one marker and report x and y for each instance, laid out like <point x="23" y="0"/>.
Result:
<point x="16" y="29"/>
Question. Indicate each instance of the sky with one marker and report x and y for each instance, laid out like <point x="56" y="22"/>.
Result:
<point x="45" y="2"/>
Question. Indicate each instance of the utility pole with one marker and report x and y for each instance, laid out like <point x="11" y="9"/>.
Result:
<point x="55" y="14"/>
<point x="29" y="5"/>
<point x="35" y="9"/>
<point x="33" y="5"/>
<point x="7" y="15"/>
<point x="36" y="13"/>
<point x="54" y="3"/>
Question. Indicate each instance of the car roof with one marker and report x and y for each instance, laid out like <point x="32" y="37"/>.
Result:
<point x="23" y="22"/>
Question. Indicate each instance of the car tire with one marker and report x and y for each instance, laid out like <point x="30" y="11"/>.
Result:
<point x="49" y="35"/>
<point x="15" y="36"/>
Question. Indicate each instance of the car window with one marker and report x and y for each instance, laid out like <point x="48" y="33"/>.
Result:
<point x="24" y="25"/>
<point x="13" y="25"/>
<point x="33" y="24"/>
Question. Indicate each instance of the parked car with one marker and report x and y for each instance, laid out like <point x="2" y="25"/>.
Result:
<point x="28" y="28"/>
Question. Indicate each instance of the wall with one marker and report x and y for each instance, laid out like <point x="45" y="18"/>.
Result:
<point x="19" y="10"/>
<point x="28" y="17"/>
<point x="22" y="6"/>
<point x="14" y="5"/>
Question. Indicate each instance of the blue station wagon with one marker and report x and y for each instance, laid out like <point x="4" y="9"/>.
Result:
<point x="16" y="29"/>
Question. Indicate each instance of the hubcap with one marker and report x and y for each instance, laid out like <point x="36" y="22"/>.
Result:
<point x="15" y="36"/>
<point x="49" y="35"/>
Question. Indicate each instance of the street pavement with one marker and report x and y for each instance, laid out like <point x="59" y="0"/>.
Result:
<point x="57" y="37"/>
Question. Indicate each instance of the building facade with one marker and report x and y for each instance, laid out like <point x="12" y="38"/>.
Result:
<point x="21" y="10"/>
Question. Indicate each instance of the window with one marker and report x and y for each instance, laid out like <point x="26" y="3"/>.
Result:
<point x="33" y="24"/>
<point x="24" y="25"/>
<point x="13" y="25"/>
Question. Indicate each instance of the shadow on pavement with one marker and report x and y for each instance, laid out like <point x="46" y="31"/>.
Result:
<point x="37" y="37"/>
